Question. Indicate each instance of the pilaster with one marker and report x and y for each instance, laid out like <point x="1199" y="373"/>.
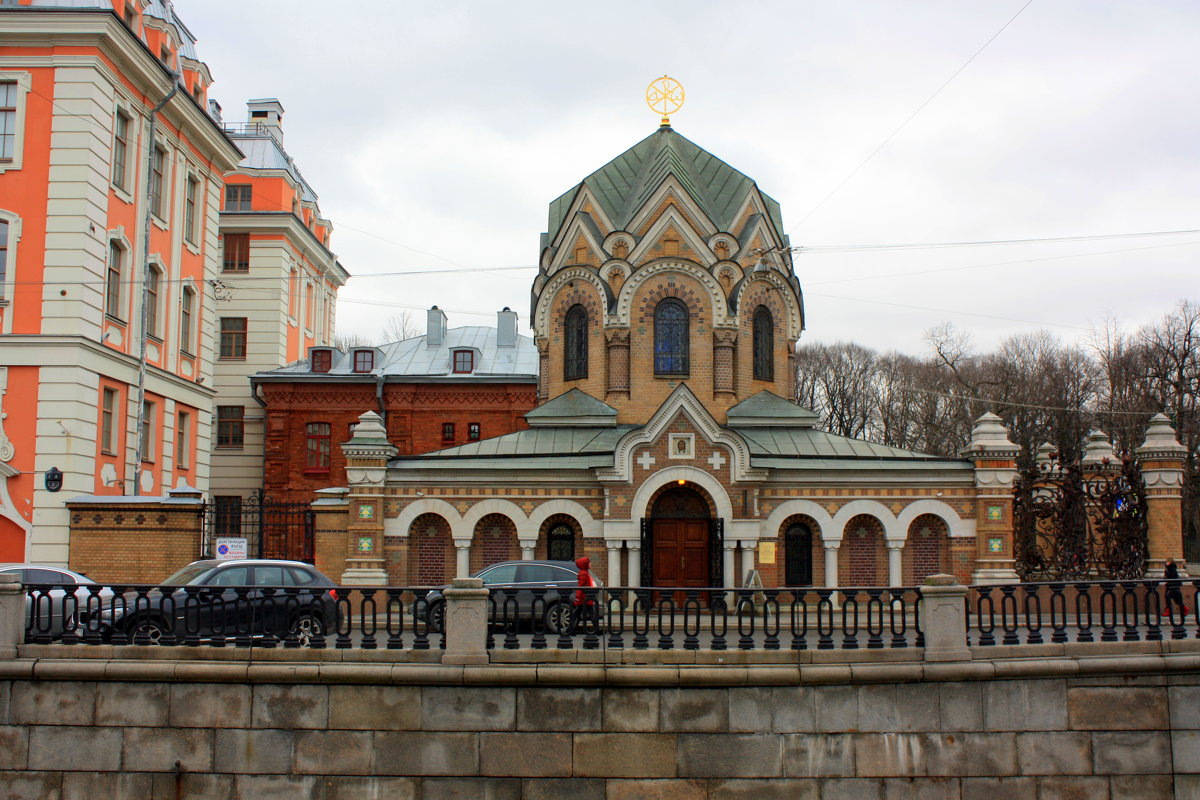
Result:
<point x="367" y="455"/>
<point x="724" y="342"/>
<point x="617" y="347"/>
<point x="995" y="459"/>
<point x="1162" y="458"/>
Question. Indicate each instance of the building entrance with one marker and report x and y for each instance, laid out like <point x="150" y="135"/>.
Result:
<point x="681" y="532"/>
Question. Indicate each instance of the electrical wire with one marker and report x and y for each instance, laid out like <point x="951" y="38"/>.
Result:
<point x="947" y="311"/>
<point x="995" y="402"/>
<point x="902" y="125"/>
<point x="862" y="248"/>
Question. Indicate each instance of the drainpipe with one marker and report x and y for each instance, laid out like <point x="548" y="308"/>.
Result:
<point x="141" y="401"/>
<point x="379" y="381"/>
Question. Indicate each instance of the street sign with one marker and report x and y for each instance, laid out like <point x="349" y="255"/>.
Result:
<point x="230" y="548"/>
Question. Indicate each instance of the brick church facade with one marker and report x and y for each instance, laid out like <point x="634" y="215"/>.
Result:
<point x="664" y="443"/>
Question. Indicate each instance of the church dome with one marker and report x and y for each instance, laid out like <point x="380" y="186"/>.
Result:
<point x="666" y="265"/>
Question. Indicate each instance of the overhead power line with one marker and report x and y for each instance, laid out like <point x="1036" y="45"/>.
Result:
<point x="860" y="248"/>
<point x="909" y="119"/>
<point x="994" y="402"/>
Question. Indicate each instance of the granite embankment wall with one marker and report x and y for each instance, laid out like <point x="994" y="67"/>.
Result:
<point x="1094" y="727"/>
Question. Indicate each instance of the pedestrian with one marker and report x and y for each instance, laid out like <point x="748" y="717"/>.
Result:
<point x="585" y="604"/>
<point x="1174" y="595"/>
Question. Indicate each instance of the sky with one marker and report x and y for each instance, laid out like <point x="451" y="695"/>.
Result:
<point x="437" y="134"/>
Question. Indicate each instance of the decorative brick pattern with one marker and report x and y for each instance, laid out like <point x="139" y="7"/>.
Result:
<point x="430" y="551"/>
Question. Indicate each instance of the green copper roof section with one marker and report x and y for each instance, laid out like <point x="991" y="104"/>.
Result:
<point x="797" y="442"/>
<point x="623" y="185"/>
<point x="574" y="403"/>
<point x="766" y="408"/>
<point x="534" y="442"/>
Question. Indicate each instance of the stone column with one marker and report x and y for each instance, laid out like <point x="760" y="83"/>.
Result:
<point x="543" y="387"/>
<point x="895" y="562"/>
<point x="732" y="579"/>
<point x="331" y="513"/>
<point x="1162" y="458"/>
<point x="995" y="460"/>
<point x="466" y="622"/>
<point x="831" y="563"/>
<point x="791" y="365"/>
<point x="944" y="619"/>
<point x="614" y="562"/>
<point x="748" y="564"/>
<point x="724" y="362"/>
<point x="462" y="557"/>
<point x="617" y="351"/>
<point x="634" y="550"/>
<point x="12" y="616"/>
<point x="367" y="455"/>
<point x="527" y="548"/>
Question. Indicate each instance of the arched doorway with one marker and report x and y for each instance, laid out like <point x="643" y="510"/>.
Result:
<point x="681" y="540"/>
<point x="797" y="555"/>
<point x="560" y="542"/>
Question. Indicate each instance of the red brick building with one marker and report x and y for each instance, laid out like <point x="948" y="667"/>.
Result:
<point x="446" y="388"/>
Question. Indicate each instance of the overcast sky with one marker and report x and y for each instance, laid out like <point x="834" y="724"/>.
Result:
<point x="436" y="135"/>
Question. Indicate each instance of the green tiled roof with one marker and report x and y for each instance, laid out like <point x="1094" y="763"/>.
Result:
<point x="765" y="407"/>
<point x="573" y="403"/>
<point x="623" y="185"/>
<point x="562" y="447"/>
<point x="796" y="442"/>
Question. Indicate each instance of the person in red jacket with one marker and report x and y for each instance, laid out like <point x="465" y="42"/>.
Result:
<point x="585" y="580"/>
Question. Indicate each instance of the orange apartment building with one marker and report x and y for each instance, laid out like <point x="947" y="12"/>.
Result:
<point x="277" y="287"/>
<point x="78" y="83"/>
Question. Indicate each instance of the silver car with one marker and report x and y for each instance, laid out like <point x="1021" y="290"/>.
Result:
<point x="54" y="598"/>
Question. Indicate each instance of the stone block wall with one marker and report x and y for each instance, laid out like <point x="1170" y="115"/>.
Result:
<point x="349" y="734"/>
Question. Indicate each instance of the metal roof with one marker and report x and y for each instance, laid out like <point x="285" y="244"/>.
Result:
<point x="623" y="185"/>
<point x="414" y="357"/>
<point x="767" y="408"/>
<point x="262" y="151"/>
<point x="797" y="442"/>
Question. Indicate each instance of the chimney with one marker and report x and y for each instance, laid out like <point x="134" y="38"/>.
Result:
<point x="214" y="110"/>
<point x="506" y="328"/>
<point x="435" y="327"/>
<point x="267" y="112"/>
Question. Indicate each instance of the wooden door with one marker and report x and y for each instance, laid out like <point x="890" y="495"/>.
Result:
<point x="681" y="552"/>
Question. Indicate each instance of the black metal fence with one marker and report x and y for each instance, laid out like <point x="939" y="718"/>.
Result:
<point x="271" y="528"/>
<point x="1082" y="611"/>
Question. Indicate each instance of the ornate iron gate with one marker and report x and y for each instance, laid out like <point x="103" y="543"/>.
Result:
<point x="271" y="528"/>
<point x="1069" y="524"/>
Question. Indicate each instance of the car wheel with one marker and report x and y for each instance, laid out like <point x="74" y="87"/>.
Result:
<point x="435" y="617"/>
<point x="147" y="630"/>
<point x="306" y="627"/>
<point x="559" y="618"/>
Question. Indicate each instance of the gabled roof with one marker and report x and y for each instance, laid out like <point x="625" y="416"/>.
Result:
<point x="536" y="448"/>
<point x="623" y="185"/>
<point x="769" y="409"/>
<point x="575" y="408"/>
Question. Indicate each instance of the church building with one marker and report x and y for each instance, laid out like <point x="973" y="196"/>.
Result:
<point x="665" y="444"/>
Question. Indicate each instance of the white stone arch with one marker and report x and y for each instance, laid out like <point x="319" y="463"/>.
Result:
<point x="716" y="294"/>
<point x="466" y="529"/>
<point x="640" y="506"/>
<point x="545" y="298"/>
<point x="589" y="527"/>
<point x="956" y="526"/>
<point x="399" y="525"/>
<point x="873" y="508"/>
<point x="790" y="508"/>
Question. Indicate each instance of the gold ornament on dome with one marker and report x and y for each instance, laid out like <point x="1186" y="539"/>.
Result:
<point x="665" y="96"/>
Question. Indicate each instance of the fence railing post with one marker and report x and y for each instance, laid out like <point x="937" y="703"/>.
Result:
<point x="12" y="615"/>
<point x="944" y="619"/>
<point x="466" y="622"/>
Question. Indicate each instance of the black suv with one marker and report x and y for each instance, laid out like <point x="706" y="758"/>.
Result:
<point x="239" y="598"/>
<point x="545" y="590"/>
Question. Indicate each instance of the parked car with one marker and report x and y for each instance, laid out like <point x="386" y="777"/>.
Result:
<point x="534" y="580"/>
<point x="248" y="597"/>
<point x="47" y="590"/>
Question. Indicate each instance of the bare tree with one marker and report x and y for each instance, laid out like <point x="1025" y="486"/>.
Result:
<point x="398" y="327"/>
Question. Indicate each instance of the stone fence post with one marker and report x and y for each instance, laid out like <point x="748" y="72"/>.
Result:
<point x="466" y="622"/>
<point x="944" y="619"/>
<point x="12" y="615"/>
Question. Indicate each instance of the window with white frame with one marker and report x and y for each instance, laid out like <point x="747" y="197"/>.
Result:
<point x="157" y="181"/>
<point x="121" y="149"/>
<point x="189" y="209"/>
<point x="183" y="441"/>
<point x="108" y="422"/>
<point x="187" y="303"/>
<point x="3" y="254"/>
<point x="147" y="432"/>
<point x="8" y="120"/>
<point x="153" y="284"/>
<point x="113" y="279"/>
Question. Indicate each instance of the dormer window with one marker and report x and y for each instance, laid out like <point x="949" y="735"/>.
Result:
<point x="364" y="360"/>
<point x="322" y="360"/>
<point x="464" y="361"/>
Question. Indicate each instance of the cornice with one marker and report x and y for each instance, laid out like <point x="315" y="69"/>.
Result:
<point x="54" y="350"/>
<point x="297" y="233"/>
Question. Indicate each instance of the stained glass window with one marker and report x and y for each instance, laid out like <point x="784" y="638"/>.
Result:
<point x="575" y="344"/>
<point x="764" y="345"/>
<point x="671" y="338"/>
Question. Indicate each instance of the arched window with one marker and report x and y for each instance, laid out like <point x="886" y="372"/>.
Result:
<point x="575" y="343"/>
<point x="764" y="345"/>
<point x="671" y="338"/>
